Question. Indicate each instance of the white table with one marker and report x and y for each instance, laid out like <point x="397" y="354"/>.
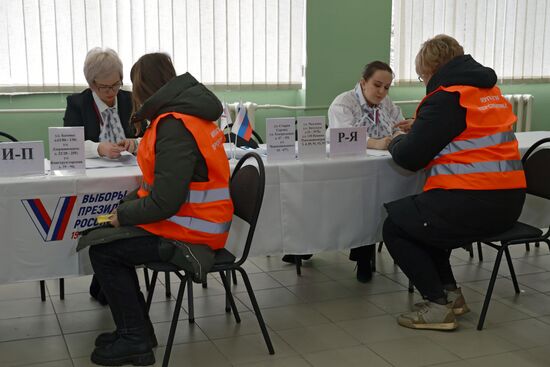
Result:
<point x="309" y="207"/>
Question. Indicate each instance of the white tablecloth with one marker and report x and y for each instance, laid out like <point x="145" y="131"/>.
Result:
<point x="309" y="207"/>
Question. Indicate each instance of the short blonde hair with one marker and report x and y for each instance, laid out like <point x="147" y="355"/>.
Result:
<point x="100" y="62"/>
<point x="436" y="52"/>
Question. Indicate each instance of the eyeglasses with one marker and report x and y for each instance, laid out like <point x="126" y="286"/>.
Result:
<point x="105" y="88"/>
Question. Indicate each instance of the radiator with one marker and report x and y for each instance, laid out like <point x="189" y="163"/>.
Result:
<point x="522" y="104"/>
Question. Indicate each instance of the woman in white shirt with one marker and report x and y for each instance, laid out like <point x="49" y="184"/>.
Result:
<point x="368" y="105"/>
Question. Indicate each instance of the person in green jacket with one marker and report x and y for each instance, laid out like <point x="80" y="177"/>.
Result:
<point x="118" y="248"/>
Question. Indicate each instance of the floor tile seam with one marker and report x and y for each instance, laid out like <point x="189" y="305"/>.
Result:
<point x="62" y="335"/>
<point x="41" y="363"/>
<point x="378" y="355"/>
<point x="256" y="334"/>
<point x="396" y="341"/>
<point x="25" y="316"/>
<point x="325" y="348"/>
<point x="492" y="337"/>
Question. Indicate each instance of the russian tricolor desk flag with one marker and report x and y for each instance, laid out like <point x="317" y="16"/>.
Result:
<point x="242" y="126"/>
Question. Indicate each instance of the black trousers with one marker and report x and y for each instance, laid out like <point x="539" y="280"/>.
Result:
<point x="424" y="261"/>
<point x="114" y="265"/>
<point x="363" y="253"/>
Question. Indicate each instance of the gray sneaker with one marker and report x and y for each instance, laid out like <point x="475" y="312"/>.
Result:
<point x="456" y="298"/>
<point x="431" y="316"/>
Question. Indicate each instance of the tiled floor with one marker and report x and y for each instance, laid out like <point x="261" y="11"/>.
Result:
<point x="323" y="318"/>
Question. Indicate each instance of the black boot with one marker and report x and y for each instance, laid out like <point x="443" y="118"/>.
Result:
<point x="133" y="348"/>
<point x="291" y="259"/>
<point x="364" y="256"/>
<point x="107" y="338"/>
<point x="364" y="271"/>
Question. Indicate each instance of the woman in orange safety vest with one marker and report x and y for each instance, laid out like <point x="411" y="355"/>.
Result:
<point x="182" y="203"/>
<point x="463" y="139"/>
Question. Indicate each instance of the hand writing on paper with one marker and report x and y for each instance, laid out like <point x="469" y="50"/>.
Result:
<point x="109" y="150"/>
<point x="405" y="125"/>
<point x="129" y="145"/>
<point x="381" y="144"/>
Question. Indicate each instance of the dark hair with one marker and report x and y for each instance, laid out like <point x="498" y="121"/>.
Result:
<point x="148" y="75"/>
<point x="374" y="66"/>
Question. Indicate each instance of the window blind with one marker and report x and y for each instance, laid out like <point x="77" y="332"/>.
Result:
<point x="510" y="36"/>
<point x="43" y="43"/>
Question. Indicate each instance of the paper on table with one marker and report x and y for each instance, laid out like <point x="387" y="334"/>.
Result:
<point x="378" y="153"/>
<point x="241" y="151"/>
<point x="125" y="159"/>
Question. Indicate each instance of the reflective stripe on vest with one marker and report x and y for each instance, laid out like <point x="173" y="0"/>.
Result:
<point x="478" y="143"/>
<point x="208" y="196"/>
<point x="478" y="167"/>
<point x="200" y="196"/>
<point x="201" y="225"/>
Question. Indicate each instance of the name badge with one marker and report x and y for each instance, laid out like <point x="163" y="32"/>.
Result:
<point x="21" y="158"/>
<point x="348" y="141"/>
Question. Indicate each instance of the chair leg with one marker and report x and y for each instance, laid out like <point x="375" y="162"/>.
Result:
<point x="62" y="288"/>
<point x="537" y="244"/>
<point x="174" y="323"/>
<point x="511" y="267"/>
<point x="373" y="261"/>
<point x="167" y="284"/>
<point x="205" y="284"/>
<point x="229" y="296"/>
<point x="411" y="286"/>
<point x="298" y="264"/>
<point x="146" y="276"/>
<point x="43" y="290"/>
<point x="470" y="250"/>
<point x="190" y="301"/>
<point x="479" y="251"/>
<point x="380" y="245"/>
<point x="227" y="305"/>
<point x="257" y="310"/>
<point x="234" y="273"/>
<point x="151" y="290"/>
<point x="490" y="289"/>
<point x="527" y="246"/>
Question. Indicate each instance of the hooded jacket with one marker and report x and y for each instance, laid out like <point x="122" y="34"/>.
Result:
<point x="178" y="160"/>
<point x="441" y="118"/>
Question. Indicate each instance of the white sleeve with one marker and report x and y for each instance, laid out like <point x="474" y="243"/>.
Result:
<point x="90" y="149"/>
<point x="340" y="115"/>
<point x="395" y="114"/>
<point x="137" y="141"/>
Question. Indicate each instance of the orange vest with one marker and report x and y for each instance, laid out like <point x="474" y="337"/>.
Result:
<point x="485" y="155"/>
<point x="206" y="215"/>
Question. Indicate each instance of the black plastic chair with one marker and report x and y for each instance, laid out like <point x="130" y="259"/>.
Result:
<point x="42" y="282"/>
<point x="536" y="164"/>
<point x="247" y="192"/>
<point x="7" y="136"/>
